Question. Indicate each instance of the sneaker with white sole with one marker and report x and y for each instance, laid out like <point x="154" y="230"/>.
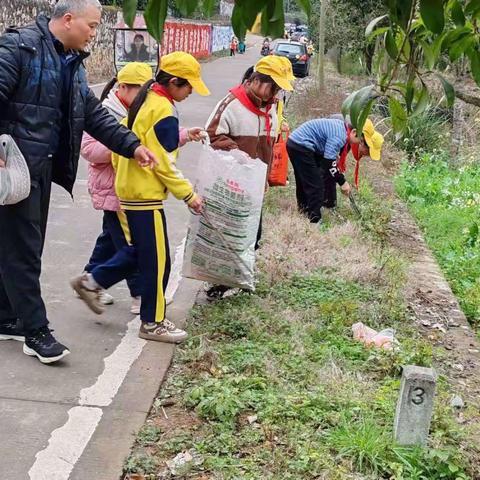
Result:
<point x="43" y="345"/>
<point x="106" y="298"/>
<point x="136" y="305"/>
<point x="11" y="331"/>
<point x="165" y="331"/>
<point x="90" y="297"/>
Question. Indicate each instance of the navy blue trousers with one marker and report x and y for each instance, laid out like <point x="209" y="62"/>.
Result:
<point x="109" y="242"/>
<point x="149" y="253"/>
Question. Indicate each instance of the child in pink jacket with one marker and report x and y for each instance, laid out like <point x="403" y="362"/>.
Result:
<point x="101" y="175"/>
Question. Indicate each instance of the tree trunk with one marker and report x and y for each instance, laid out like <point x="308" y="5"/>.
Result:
<point x="321" y="45"/>
<point x="369" y="53"/>
<point x="339" y="59"/>
<point x="467" y="98"/>
<point x="458" y="124"/>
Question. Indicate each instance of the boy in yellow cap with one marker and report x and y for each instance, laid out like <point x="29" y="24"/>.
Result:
<point x="318" y="150"/>
<point x="141" y="191"/>
<point x="247" y="119"/>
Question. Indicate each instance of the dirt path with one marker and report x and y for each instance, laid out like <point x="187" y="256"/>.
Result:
<point x="434" y="307"/>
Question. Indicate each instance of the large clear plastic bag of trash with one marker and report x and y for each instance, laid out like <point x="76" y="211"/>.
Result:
<point x="220" y="245"/>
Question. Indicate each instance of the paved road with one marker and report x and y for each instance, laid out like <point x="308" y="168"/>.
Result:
<point x="76" y="419"/>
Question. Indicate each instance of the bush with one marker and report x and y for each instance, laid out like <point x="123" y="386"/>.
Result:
<point x="426" y="133"/>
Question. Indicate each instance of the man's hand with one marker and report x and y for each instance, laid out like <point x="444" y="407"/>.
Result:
<point x="196" y="134"/>
<point x="285" y="127"/>
<point x="2" y="163"/>
<point x="346" y="189"/>
<point x="145" y="157"/>
<point x="196" y="204"/>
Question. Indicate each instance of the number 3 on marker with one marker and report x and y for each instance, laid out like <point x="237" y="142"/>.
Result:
<point x="416" y="395"/>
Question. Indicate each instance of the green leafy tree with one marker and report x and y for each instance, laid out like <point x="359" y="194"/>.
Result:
<point x="415" y="41"/>
<point x="411" y="39"/>
<point x="345" y="26"/>
<point x="244" y="14"/>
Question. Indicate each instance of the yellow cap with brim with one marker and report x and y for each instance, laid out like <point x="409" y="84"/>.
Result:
<point x="183" y="65"/>
<point x="374" y="140"/>
<point x="288" y="64"/>
<point x="135" y="73"/>
<point x="276" y="69"/>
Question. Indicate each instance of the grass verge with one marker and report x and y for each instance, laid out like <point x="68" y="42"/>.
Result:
<point x="272" y="385"/>
<point x="445" y="201"/>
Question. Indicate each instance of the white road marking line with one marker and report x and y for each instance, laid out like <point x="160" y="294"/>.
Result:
<point x="117" y="365"/>
<point x="176" y="272"/>
<point x="65" y="445"/>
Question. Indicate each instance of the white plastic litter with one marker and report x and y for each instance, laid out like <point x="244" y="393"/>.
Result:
<point x="220" y="246"/>
<point x="184" y="462"/>
<point x="368" y="336"/>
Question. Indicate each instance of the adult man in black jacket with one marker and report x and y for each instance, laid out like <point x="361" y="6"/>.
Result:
<point x="45" y="105"/>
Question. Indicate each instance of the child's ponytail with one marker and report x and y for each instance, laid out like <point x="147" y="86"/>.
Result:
<point x="248" y="74"/>
<point x="108" y="88"/>
<point x="138" y="102"/>
<point x="162" y="78"/>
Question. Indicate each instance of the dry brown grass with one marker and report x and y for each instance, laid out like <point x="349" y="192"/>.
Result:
<point x="292" y="246"/>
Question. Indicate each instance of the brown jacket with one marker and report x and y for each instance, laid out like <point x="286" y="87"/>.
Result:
<point x="231" y="125"/>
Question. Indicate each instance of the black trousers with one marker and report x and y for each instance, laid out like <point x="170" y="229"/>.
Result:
<point x="149" y="254"/>
<point x="22" y="237"/>
<point x="316" y="187"/>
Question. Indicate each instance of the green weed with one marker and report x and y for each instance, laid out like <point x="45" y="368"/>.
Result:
<point x="445" y="201"/>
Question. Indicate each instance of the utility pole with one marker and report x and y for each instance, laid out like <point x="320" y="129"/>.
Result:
<point x="321" y="44"/>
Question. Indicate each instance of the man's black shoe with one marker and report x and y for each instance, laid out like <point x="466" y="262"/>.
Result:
<point x="11" y="331"/>
<point x="42" y="344"/>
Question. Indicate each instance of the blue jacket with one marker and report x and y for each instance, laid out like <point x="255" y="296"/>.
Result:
<point x="31" y="105"/>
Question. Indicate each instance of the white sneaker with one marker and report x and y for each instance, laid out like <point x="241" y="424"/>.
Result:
<point x="165" y="331"/>
<point x="106" y="298"/>
<point x="136" y="304"/>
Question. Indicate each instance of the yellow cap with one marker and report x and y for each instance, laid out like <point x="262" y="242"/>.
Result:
<point x="374" y="140"/>
<point x="135" y="73"/>
<point x="183" y="65"/>
<point x="275" y="68"/>
<point x="288" y="64"/>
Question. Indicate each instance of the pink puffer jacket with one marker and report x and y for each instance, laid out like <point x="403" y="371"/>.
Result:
<point x="101" y="175"/>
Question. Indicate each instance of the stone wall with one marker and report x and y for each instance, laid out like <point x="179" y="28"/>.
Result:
<point x="226" y="8"/>
<point x="99" y="65"/>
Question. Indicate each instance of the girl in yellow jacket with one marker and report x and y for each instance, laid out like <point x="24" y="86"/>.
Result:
<point x="153" y="118"/>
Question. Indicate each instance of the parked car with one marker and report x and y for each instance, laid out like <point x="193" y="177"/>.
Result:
<point x="297" y="53"/>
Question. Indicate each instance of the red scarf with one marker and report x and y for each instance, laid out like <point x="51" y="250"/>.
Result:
<point x="241" y="95"/>
<point x="342" y="163"/>
<point x="162" y="91"/>
<point x="122" y="101"/>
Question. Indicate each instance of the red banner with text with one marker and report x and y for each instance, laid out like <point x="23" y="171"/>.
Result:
<point x="191" y="37"/>
<point x="194" y="38"/>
